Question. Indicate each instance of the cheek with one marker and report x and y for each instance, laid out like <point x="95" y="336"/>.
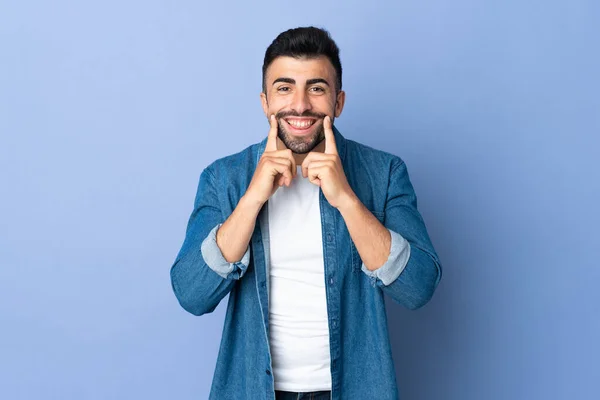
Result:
<point x="324" y="104"/>
<point x="331" y="101"/>
<point x="277" y="104"/>
<point x="330" y="108"/>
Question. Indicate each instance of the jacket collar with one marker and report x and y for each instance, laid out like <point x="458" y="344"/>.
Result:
<point x="340" y="143"/>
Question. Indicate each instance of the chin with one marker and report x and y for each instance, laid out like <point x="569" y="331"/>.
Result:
<point x="300" y="144"/>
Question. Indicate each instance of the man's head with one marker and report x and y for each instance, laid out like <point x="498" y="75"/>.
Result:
<point x="302" y="83"/>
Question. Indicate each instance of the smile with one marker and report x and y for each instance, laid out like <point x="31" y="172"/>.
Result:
<point x="300" y="123"/>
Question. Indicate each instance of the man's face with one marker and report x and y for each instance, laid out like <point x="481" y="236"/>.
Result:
<point x="301" y="92"/>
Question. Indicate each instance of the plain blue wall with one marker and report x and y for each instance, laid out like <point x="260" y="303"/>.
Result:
<point x="109" y="111"/>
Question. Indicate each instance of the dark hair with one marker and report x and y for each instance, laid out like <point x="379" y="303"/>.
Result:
<point x="309" y="42"/>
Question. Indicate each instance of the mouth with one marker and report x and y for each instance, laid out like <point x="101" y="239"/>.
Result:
<point x="299" y="126"/>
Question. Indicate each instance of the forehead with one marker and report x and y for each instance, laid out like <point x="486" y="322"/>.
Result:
<point x="300" y="69"/>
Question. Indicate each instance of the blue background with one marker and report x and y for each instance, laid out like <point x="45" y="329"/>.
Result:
<point x="109" y="111"/>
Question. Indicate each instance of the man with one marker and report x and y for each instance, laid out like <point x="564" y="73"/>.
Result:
<point x="338" y="228"/>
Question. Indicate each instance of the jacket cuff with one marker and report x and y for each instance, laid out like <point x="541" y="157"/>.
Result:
<point x="397" y="260"/>
<point x="214" y="258"/>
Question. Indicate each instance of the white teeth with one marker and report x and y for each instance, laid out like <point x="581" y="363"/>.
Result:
<point x="300" y="123"/>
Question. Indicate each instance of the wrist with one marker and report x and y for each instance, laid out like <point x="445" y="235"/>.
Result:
<point x="250" y="205"/>
<point x="348" y="202"/>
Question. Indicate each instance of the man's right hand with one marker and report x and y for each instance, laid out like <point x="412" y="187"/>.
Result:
<point x="275" y="168"/>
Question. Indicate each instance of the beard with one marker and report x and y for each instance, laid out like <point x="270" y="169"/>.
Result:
<point x="300" y="145"/>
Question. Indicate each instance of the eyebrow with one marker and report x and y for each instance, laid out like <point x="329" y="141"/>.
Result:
<point x="316" y="80"/>
<point x="308" y="82"/>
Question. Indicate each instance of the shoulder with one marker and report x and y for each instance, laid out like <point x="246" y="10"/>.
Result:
<point x="370" y="157"/>
<point x="235" y="163"/>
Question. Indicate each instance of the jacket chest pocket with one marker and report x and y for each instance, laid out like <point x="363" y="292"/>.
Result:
<point x="356" y="260"/>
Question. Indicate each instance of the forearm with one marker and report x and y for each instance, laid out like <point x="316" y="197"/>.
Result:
<point x="371" y="238"/>
<point x="234" y="235"/>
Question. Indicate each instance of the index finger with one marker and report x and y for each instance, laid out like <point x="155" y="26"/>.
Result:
<point x="272" y="139"/>
<point x="330" y="147"/>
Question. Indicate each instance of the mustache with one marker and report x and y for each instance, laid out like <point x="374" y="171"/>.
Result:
<point x="284" y="114"/>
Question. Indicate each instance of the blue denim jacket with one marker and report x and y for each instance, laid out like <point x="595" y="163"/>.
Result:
<point x="361" y="358"/>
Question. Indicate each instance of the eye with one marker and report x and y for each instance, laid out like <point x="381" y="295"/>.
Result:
<point x="317" y="89"/>
<point x="283" y="89"/>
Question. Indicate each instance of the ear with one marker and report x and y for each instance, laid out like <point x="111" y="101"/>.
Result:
<point x="264" y="103"/>
<point x="339" y="105"/>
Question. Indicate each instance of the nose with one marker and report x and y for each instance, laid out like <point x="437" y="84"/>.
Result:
<point x="300" y="102"/>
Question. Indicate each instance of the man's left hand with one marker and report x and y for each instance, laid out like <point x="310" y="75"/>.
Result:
<point x="325" y="170"/>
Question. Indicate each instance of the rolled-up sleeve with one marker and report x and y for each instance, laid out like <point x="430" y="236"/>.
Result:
<point x="216" y="261"/>
<point x="397" y="260"/>
<point x="413" y="269"/>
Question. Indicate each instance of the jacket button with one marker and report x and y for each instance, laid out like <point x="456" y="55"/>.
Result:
<point x="329" y="237"/>
<point x="268" y="372"/>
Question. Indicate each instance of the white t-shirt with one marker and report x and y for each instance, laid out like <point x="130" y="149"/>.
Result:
<point x="299" y="332"/>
